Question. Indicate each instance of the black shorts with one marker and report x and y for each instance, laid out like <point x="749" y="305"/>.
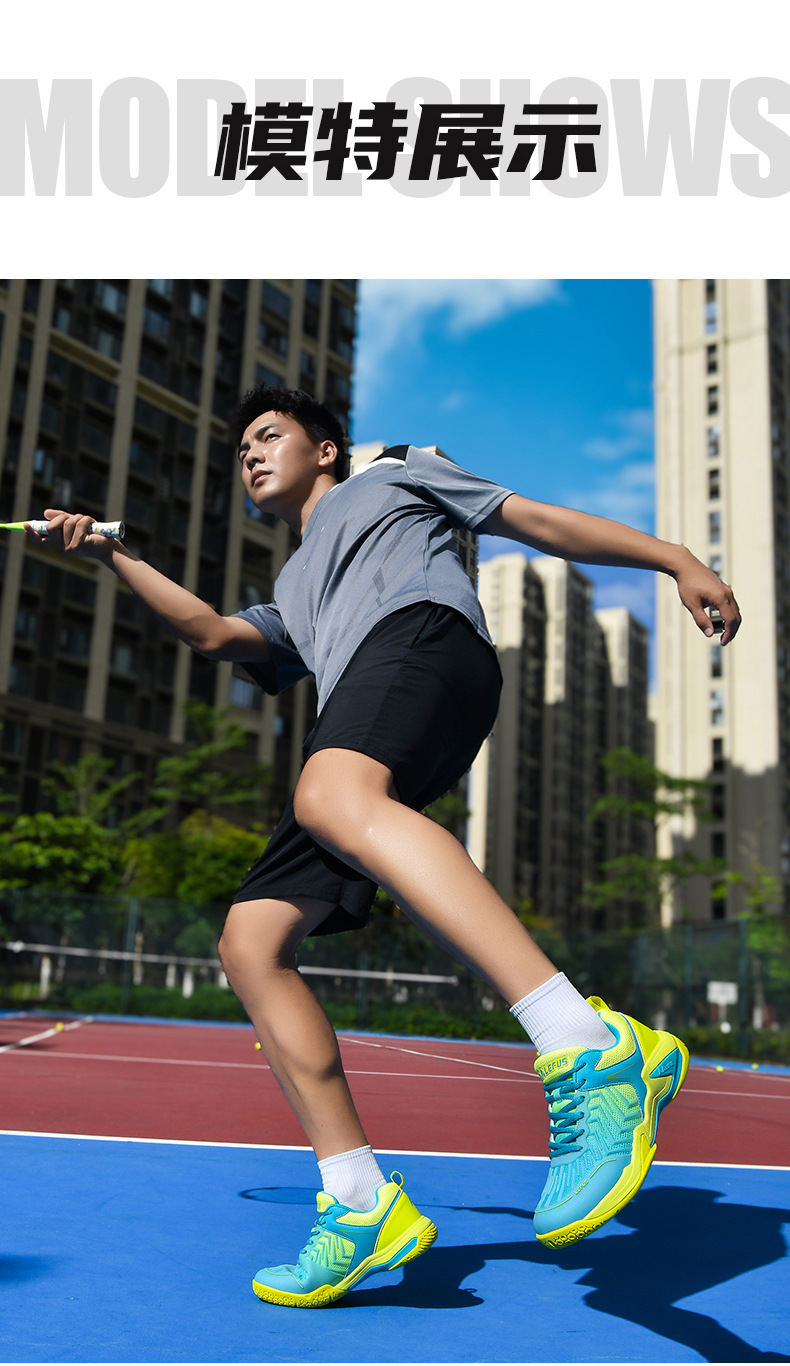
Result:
<point x="420" y="695"/>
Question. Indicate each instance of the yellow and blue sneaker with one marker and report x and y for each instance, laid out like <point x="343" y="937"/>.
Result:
<point x="345" y="1246"/>
<point x="604" y="1107"/>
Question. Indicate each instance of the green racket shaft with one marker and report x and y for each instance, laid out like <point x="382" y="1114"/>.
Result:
<point x="115" y="529"/>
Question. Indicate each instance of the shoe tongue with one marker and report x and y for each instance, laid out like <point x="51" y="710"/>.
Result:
<point x="555" y="1064"/>
<point x="323" y="1200"/>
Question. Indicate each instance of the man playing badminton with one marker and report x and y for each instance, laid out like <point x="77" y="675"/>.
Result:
<point x="376" y="604"/>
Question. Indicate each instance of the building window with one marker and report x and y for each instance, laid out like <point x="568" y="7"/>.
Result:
<point x="341" y="328"/>
<point x="49" y="418"/>
<point x="711" y="307"/>
<point x="716" y="662"/>
<point x="312" y="307"/>
<point x="717" y="755"/>
<point x="713" y="399"/>
<point x="43" y="466"/>
<point x="714" y="442"/>
<point x="26" y="624"/>
<point x="272" y="338"/>
<point x="156" y="324"/>
<point x="714" y="484"/>
<point x="716" y="563"/>
<point x="75" y="641"/>
<point x="111" y="297"/>
<point x="714" y="527"/>
<point x="122" y="660"/>
<point x="717" y="707"/>
<point x="276" y="300"/>
<point x="198" y="305"/>
<point x="718" y="844"/>
<point x="162" y="287"/>
<point x="718" y="907"/>
<point x="243" y="693"/>
<point x="712" y="359"/>
<point x="106" y="343"/>
<point x="263" y="375"/>
<point x="307" y="372"/>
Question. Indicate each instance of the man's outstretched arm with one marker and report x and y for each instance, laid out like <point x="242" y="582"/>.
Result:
<point x="185" y="616"/>
<point x="573" y="535"/>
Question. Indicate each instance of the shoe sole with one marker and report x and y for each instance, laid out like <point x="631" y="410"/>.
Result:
<point x="671" y="1056"/>
<point x="411" y="1244"/>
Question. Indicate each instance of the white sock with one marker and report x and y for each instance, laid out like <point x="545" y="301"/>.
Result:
<point x="556" y="1016"/>
<point x="353" y="1178"/>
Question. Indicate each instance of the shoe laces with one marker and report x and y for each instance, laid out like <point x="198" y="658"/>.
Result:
<point x="315" y="1233"/>
<point x="565" y="1118"/>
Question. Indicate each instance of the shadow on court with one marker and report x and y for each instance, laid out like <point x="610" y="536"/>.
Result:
<point x="13" y="1270"/>
<point x="685" y="1241"/>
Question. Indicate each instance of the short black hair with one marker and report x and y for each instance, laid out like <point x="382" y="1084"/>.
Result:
<point x="316" y="419"/>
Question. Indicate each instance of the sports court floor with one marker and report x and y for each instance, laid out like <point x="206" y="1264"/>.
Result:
<point x="150" y="1168"/>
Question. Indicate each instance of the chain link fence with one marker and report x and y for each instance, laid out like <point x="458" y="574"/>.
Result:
<point x="724" y="985"/>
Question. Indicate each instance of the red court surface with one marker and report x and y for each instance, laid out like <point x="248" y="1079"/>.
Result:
<point x="162" y="1081"/>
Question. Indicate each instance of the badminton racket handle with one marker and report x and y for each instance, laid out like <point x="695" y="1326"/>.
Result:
<point x="115" y="529"/>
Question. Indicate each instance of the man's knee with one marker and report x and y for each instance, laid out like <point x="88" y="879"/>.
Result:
<point x="336" y="817"/>
<point x="250" y="938"/>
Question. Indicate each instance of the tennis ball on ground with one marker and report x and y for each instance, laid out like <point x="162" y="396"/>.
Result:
<point x="755" y="1066"/>
<point x="719" y="1069"/>
<point x="60" y="1027"/>
<point x="257" y="1045"/>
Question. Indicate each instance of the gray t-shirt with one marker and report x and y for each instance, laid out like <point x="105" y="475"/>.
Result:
<point x="375" y="543"/>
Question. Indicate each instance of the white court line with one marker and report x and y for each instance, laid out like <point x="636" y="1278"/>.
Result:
<point x="442" y="1057"/>
<point x="389" y="1152"/>
<point x="518" y="1079"/>
<point x="262" y="1066"/>
<point x="47" y="1034"/>
<point x="745" y="1095"/>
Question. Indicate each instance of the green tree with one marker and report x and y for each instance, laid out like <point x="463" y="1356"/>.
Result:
<point x="65" y="853"/>
<point x="199" y="780"/>
<point x="204" y="860"/>
<point x="84" y="788"/>
<point x="639" y="791"/>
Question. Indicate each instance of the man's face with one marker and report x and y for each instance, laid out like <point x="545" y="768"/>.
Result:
<point x="280" y="462"/>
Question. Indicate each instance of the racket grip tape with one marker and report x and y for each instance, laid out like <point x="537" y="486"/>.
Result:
<point x="115" y="529"/>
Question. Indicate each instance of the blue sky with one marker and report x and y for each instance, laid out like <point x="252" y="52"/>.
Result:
<point x="543" y="385"/>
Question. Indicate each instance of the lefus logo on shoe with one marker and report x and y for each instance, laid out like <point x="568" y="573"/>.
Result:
<point x="545" y="1069"/>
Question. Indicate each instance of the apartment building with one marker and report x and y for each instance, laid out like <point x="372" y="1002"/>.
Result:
<point x="575" y="686"/>
<point x="722" y="380"/>
<point x="117" y="396"/>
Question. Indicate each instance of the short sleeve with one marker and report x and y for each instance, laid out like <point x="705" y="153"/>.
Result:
<point x="466" y="498"/>
<point x="286" y="665"/>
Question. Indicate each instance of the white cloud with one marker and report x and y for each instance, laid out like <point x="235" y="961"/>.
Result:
<point x="624" y="496"/>
<point x="633" y="435"/>
<point x="394" y="313"/>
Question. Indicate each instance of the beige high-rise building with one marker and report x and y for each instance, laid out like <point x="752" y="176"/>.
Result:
<point x="504" y="794"/>
<point x="117" y="397"/>
<point x="722" y="371"/>
<point x="575" y="686"/>
<point x="627" y="726"/>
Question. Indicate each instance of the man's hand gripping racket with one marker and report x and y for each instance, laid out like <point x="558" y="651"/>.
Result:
<point x="73" y="533"/>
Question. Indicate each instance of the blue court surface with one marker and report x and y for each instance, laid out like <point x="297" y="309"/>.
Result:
<point x="121" y="1251"/>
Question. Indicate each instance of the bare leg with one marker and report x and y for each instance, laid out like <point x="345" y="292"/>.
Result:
<point x="258" y="952"/>
<point x="348" y="803"/>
